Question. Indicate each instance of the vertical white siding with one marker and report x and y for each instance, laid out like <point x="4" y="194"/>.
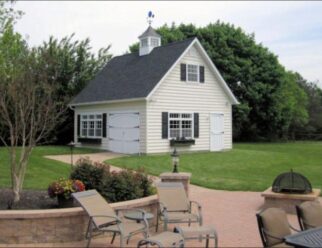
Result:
<point x="203" y="98"/>
<point x="115" y="107"/>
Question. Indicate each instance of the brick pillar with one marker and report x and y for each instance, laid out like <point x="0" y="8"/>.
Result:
<point x="182" y="177"/>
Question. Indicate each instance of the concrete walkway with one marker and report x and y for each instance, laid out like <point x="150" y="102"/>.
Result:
<point x="96" y="157"/>
<point x="231" y="212"/>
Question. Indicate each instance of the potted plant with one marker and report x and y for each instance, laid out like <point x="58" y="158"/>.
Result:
<point x="182" y="141"/>
<point x="62" y="189"/>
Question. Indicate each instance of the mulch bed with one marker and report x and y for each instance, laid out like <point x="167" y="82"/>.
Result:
<point x="29" y="199"/>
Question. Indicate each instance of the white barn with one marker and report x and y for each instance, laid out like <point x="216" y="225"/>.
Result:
<point x="150" y="101"/>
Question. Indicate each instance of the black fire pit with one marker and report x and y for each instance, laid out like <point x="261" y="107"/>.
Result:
<point x="292" y="183"/>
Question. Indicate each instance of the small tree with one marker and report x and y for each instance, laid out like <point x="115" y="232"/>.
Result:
<point x="27" y="109"/>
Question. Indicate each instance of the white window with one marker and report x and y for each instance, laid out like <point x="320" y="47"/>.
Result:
<point x="154" y="42"/>
<point x="192" y="73"/>
<point x="91" y="125"/>
<point x="144" y="42"/>
<point x="180" y="125"/>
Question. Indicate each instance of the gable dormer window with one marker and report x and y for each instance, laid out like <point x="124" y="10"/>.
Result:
<point x="144" y="42"/>
<point x="192" y="73"/>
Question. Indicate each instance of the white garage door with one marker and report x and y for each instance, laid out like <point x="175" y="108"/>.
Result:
<point x="124" y="132"/>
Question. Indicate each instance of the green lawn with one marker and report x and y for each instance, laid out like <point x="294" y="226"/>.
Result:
<point x="249" y="167"/>
<point x="40" y="171"/>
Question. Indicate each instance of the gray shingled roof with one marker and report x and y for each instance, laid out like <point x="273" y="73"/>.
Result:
<point x="149" y="32"/>
<point x="131" y="75"/>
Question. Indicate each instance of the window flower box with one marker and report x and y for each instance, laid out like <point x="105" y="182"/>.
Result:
<point x="93" y="141"/>
<point x="182" y="142"/>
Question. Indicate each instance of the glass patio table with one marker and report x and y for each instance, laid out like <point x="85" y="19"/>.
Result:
<point x="307" y="238"/>
<point x="134" y="215"/>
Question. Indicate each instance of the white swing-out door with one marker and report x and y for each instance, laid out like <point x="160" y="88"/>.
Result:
<point x="124" y="132"/>
<point x="216" y="132"/>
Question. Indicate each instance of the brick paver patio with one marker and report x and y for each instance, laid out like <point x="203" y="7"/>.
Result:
<point x="231" y="212"/>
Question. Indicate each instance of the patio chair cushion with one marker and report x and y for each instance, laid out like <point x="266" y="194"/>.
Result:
<point x="275" y="223"/>
<point x="95" y="205"/>
<point x="311" y="214"/>
<point x="173" y="196"/>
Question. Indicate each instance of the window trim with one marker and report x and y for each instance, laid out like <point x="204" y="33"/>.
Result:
<point x="198" y="73"/>
<point x="180" y="119"/>
<point x="88" y="126"/>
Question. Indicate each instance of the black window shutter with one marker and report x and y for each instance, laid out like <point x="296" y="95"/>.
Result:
<point x="78" y="125"/>
<point x="201" y="74"/>
<point x="164" y="125"/>
<point x="104" y="126"/>
<point x="183" y="72"/>
<point x="196" y="124"/>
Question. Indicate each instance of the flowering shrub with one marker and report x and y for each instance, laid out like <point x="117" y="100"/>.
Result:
<point x="126" y="185"/>
<point x="89" y="172"/>
<point x="114" y="186"/>
<point x="65" y="187"/>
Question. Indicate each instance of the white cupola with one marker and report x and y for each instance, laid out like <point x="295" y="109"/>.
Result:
<point x="149" y="40"/>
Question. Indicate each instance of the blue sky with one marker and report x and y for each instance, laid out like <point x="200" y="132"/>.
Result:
<point x="292" y="30"/>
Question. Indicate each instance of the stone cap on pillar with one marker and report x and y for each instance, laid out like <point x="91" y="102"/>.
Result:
<point x="179" y="175"/>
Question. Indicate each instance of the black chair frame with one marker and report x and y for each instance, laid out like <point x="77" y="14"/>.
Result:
<point x="261" y="229"/>
<point x="299" y="214"/>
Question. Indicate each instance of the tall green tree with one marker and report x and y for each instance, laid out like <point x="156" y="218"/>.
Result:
<point x="267" y="109"/>
<point x="28" y="110"/>
<point x="36" y="84"/>
<point x="313" y="128"/>
<point x="70" y="65"/>
<point x="8" y="15"/>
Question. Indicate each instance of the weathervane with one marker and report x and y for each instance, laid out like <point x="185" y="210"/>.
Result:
<point x="150" y="17"/>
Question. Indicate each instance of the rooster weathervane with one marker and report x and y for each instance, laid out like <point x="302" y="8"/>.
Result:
<point x="150" y="17"/>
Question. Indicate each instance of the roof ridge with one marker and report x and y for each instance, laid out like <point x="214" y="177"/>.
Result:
<point x="178" y="41"/>
<point x="168" y="44"/>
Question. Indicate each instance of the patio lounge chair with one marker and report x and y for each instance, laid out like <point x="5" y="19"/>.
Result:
<point x="309" y="215"/>
<point x="175" y="207"/>
<point x="273" y="227"/>
<point x="103" y="218"/>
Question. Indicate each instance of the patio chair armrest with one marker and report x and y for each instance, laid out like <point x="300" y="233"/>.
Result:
<point x="199" y="210"/>
<point x="163" y="210"/>
<point x="163" y="207"/>
<point x="196" y="203"/>
<point x="198" y="207"/>
<point x="116" y="220"/>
